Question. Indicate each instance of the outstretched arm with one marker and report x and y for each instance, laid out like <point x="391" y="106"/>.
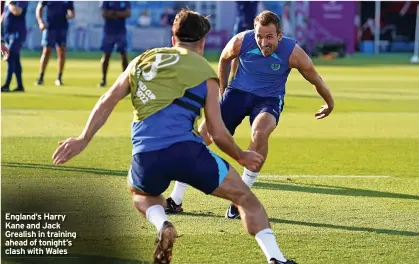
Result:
<point x="229" y="53"/>
<point x="301" y="61"/>
<point x="100" y="113"/>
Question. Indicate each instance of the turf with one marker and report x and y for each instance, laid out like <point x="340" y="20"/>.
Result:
<point x="318" y="217"/>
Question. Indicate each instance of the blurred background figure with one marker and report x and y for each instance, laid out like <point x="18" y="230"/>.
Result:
<point x="167" y="17"/>
<point x="114" y="33"/>
<point x="246" y="13"/>
<point x="54" y="33"/>
<point x="144" y="20"/>
<point x="321" y="28"/>
<point x="286" y="20"/>
<point x="14" y="35"/>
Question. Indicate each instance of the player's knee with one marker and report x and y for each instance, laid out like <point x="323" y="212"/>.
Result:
<point x="244" y="197"/>
<point x="260" y="136"/>
<point x="46" y="51"/>
<point x="105" y="58"/>
<point x="61" y="49"/>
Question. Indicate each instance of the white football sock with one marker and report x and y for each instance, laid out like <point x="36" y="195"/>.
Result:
<point x="267" y="242"/>
<point x="249" y="177"/>
<point x="178" y="192"/>
<point x="156" y="215"/>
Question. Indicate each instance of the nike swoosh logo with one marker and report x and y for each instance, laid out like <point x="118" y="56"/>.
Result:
<point x="230" y="215"/>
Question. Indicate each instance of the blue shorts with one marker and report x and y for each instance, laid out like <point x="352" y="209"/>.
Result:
<point x="188" y="161"/>
<point x="14" y="41"/>
<point x="236" y="104"/>
<point x="53" y="37"/>
<point x="109" y="41"/>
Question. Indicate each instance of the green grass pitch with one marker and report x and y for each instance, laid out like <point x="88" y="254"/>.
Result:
<point x="341" y="190"/>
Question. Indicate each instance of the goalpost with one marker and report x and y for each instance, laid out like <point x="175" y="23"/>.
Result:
<point x="415" y="58"/>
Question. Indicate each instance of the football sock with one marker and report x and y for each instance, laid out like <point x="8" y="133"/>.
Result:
<point x="155" y="214"/>
<point x="178" y="192"/>
<point x="249" y="177"/>
<point x="267" y="242"/>
<point x="18" y="72"/>
<point x="41" y="76"/>
<point x="60" y="75"/>
<point x="11" y="67"/>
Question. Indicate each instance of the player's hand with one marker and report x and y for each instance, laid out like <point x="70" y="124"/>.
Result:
<point x="42" y="26"/>
<point x="69" y="15"/>
<point x="4" y="51"/>
<point x="68" y="148"/>
<point x="324" y="111"/>
<point x="251" y="160"/>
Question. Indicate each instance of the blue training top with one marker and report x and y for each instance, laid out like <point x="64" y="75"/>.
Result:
<point x="115" y="26"/>
<point x="263" y="76"/>
<point x="15" y="24"/>
<point x="170" y="125"/>
<point x="57" y="12"/>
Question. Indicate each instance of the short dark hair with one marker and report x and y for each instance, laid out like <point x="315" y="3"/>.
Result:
<point x="190" y="26"/>
<point x="267" y="17"/>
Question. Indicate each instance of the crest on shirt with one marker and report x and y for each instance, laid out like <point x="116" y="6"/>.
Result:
<point x="275" y="66"/>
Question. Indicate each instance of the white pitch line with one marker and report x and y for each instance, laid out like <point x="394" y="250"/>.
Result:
<point x="327" y="176"/>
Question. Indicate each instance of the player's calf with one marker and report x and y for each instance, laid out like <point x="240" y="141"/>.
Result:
<point x="151" y="207"/>
<point x="253" y="215"/>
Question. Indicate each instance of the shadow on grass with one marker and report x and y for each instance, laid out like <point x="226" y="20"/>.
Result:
<point x="319" y="225"/>
<point x="317" y="189"/>
<point x="70" y="259"/>
<point x="65" y="168"/>
<point x="332" y="190"/>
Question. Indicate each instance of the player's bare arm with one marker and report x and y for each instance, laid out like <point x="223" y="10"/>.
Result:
<point x="38" y="12"/>
<point x="123" y="14"/>
<point x="14" y="9"/>
<point x="100" y="113"/>
<point x="4" y="51"/>
<point x="229" y="53"/>
<point x="108" y="14"/>
<point x="219" y="133"/>
<point x="302" y="62"/>
<point x="70" y="14"/>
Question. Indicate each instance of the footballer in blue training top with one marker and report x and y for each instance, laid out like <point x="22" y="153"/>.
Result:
<point x="54" y="33"/>
<point x="114" y="33"/>
<point x="14" y="35"/>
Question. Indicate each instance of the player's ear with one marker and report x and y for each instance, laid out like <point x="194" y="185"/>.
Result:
<point x="173" y="41"/>
<point x="202" y="45"/>
<point x="280" y="35"/>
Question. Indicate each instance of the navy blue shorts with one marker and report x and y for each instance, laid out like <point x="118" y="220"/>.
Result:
<point x="236" y="104"/>
<point x="53" y="37"/>
<point x="109" y="41"/>
<point x="188" y="161"/>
